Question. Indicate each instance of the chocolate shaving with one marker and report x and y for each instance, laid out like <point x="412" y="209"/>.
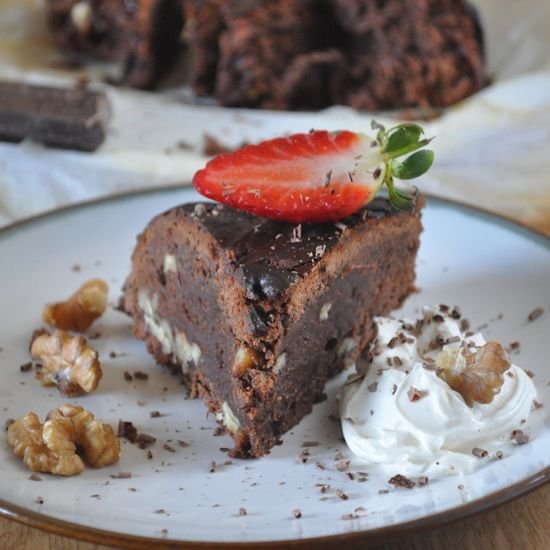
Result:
<point x="481" y="453"/>
<point x="144" y="440"/>
<point x="127" y="376"/>
<point x="415" y="394"/>
<point x="310" y="444"/>
<point x="297" y="513"/>
<point x="156" y="414"/>
<point x="342" y="466"/>
<point x="422" y="480"/>
<point x="35" y="477"/>
<point x="535" y="314"/>
<point x="296" y="234"/>
<point x="372" y="387"/>
<point x="121" y="475"/>
<point x="169" y="448"/>
<point x="520" y="437"/>
<point x="242" y="512"/>
<point x="402" y="481"/>
<point x="341" y="495"/>
<point x="138" y="375"/>
<point x="320" y="251"/>
<point x="25" y="367"/>
<point x="127" y="430"/>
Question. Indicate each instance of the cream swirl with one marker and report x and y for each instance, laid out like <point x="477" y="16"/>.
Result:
<point x="433" y="431"/>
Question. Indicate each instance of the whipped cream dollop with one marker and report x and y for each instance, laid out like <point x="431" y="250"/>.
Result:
<point x="403" y="416"/>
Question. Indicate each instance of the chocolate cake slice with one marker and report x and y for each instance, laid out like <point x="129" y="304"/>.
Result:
<point x="143" y="34"/>
<point x="259" y="314"/>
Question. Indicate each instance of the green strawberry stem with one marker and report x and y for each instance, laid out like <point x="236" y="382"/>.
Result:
<point x="403" y="139"/>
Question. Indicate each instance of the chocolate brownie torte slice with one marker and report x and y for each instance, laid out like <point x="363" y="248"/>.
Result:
<point x="258" y="314"/>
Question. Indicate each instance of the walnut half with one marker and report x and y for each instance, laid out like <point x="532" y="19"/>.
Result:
<point x="81" y="309"/>
<point x="54" y="446"/>
<point x="477" y="376"/>
<point x="68" y="362"/>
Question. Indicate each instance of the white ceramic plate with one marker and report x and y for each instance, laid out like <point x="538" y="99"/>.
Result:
<point x="494" y="270"/>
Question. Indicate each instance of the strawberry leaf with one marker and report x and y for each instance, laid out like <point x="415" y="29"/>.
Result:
<point x="413" y="166"/>
<point x="403" y="136"/>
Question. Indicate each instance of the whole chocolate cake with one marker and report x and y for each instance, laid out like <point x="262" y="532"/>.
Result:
<point x="258" y="314"/>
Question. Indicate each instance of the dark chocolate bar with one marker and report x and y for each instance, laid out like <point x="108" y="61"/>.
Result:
<point x="57" y="117"/>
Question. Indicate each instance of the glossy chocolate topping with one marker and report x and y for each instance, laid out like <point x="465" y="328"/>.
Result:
<point x="272" y="254"/>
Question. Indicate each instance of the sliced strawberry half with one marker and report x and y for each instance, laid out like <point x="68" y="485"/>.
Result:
<point x="315" y="177"/>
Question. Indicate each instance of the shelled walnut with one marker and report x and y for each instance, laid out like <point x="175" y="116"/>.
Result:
<point x="477" y="376"/>
<point x="68" y="362"/>
<point x="81" y="309"/>
<point x="54" y="447"/>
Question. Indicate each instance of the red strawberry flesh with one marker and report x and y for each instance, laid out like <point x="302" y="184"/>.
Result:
<point x="316" y="177"/>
